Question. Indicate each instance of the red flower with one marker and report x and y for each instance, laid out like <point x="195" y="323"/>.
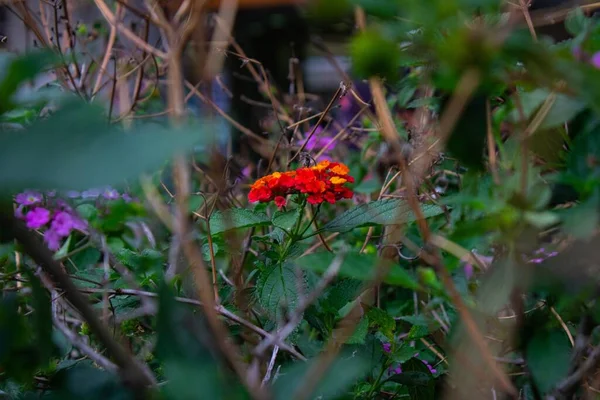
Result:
<point x="280" y="201"/>
<point x="315" y="199"/>
<point x="323" y="182"/>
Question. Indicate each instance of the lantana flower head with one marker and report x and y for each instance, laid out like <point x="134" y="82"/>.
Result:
<point x="323" y="182"/>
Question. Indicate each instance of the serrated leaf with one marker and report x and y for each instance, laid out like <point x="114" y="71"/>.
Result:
<point x="417" y="332"/>
<point x="277" y="290"/>
<point x="548" y="355"/>
<point x="359" y="266"/>
<point x="379" y="212"/>
<point x="236" y="218"/>
<point x="90" y="153"/>
<point x="286" y="220"/>
<point x="382" y="320"/>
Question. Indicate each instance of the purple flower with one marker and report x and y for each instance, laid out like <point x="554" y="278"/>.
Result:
<point x="28" y="198"/>
<point x="79" y="224"/>
<point x="52" y="239"/>
<point x="126" y="197"/>
<point x="51" y="193"/>
<point x="387" y="347"/>
<point x="398" y="370"/>
<point x="37" y="218"/>
<point x="469" y="270"/>
<point x="62" y="223"/>
<point x="90" y="194"/>
<point x="73" y="194"/>
<point x="537" y="260"/>
<point x="552" y="254"/>
<point x="110" y="194"/>
<point x="317" y="141"/>
<point x="595" y="60"/>
<point x="19" y="212"/>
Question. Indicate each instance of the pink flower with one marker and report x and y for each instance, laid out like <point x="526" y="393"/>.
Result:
<point x="37" y="218"/>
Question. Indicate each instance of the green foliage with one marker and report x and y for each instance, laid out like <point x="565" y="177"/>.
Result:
<point x="236" y="218"/>
<point x="346" y="369"/>
<point x="374" y="55"/>
<point x="380" y="212"/>
<point x="359" y="266"/>
<point x="548" y="354"/>
<point x="278" y="290"/>
<point x="91" y="153"/>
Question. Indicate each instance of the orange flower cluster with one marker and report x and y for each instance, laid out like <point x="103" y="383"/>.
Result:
<point x="323" y="182"/>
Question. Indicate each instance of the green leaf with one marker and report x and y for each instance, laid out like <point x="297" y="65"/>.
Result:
<point x="467" y="140"/>
<point x="417" y="332"/>
<point x="563" y="109"/>
<point x="419" y="387"/>
<point x="548" y="355"/>
<point x="542" y="219"/>
<point x="404" y="353"/>
<point x="360" y="333"/>
<point x="286" y="220"/>
<point x="42" y="317"/>
<point x="236" y="218"/>
<point x="382" y="320"/>
<point x="344" y="372"/>
<point x="83" y="381"/>
<point x="277" y="290"/>
<point x="20" y="69"/>
<point x="359" y="266"/>
<point x="582" y="220"/>
<point x="379" y="212"/>
<point x="576" y="22"/>
<point x="76" y="148"/>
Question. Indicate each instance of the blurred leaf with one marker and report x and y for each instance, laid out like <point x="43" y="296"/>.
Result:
<point x="360" y="332"/>
<point x="277" y="290"/>
<point x="42" y="317"/>
<point x="379" y="212"/>
<point x="286" y="220"/>
<point x="345" y="371"/>
<point x="236" y="218"/>
<point x="576" y="22"/>
<point x="563" y="109"/>
<point x="82" y="381"/>
<point x="206" y="251"/>
<point x="19" y="69"/>
<point x="373" y="54"/>
<point x="89" y="153"/>
<point x="541" y="219"/>
<point x="582" y="220"/>
<point x="358" y="266"/>
<point x="380" y="8"/>
<point x="467" y="141"/>
<point x="418" y="380"/>
<point x="548" y="355"/>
